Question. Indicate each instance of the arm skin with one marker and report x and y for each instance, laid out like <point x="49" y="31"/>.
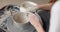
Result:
<point x="35" y="22"/>
<point x="45" y="6"/>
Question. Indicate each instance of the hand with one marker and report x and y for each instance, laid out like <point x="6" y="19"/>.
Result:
<point x="34" y="20"/>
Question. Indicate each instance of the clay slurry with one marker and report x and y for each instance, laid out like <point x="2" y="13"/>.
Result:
<point x="20" y="18"/>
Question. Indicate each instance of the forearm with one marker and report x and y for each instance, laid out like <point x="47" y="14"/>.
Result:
<point x="36" y="22"/>
<point x="39" y="28"/>
<point x="45" y="6"/>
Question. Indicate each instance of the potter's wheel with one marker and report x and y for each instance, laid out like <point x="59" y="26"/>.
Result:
<point x="14" y="28"/>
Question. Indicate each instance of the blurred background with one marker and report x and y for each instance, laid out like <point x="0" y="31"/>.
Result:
<point x="17" y="2"/>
